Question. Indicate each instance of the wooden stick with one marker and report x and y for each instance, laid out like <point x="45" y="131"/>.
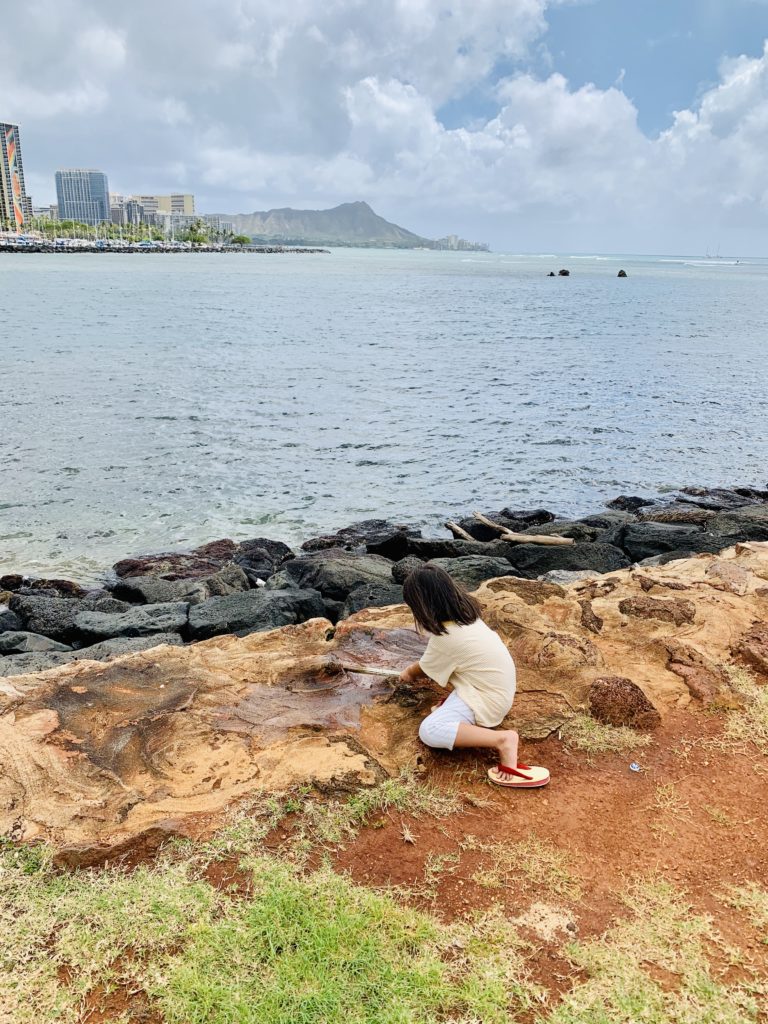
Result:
<point x="458" y="532"/>
<point x="522" y="538"/>
<point x="370" y="670"/>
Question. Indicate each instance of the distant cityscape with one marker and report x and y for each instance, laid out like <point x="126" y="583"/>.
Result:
<point x="83" y="196"/>
<point x="85" y="208"/>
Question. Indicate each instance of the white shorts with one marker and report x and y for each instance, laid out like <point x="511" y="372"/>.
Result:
<point x="439" y="729"/>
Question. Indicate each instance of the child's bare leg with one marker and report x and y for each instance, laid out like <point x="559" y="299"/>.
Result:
<point x="504" y="740"/>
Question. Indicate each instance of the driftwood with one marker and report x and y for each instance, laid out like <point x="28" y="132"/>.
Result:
<point x="458" y="532"/>
<point x="521" y="538"/>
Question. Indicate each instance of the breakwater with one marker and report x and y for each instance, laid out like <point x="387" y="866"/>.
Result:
<point x="81" y="248"/>
<point x="258" y="584"/>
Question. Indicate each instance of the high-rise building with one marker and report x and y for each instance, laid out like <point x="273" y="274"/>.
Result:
<point x="83" y="195"/>
<point x="179" y="202"/>
<point x="15" y="204"/>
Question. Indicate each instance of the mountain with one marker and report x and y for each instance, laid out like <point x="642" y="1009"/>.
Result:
<point x="353" y="224"/>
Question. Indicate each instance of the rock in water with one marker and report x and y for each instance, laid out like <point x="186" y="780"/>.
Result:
<point x="254" y="611"/>
<point x="563" y="273"/>
<point x="376" y="536"/>
<point x="622" y="273"/>
<point x="628" y="503"/>
<point x="201" y="561"/>
<point x="472" y="570"/>
<point x="617" y="701"/>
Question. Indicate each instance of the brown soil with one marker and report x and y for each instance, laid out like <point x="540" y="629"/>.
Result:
<point x="613" y="824"/>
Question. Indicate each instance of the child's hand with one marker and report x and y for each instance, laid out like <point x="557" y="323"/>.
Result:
<point x="411" y="674"/>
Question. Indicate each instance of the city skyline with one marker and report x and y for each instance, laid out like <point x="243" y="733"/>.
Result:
<point x="539" y="125"/>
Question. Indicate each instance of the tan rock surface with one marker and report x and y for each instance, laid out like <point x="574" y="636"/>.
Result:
<point x="93" y="754"/>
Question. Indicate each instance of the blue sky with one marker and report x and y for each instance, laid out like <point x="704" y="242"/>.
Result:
<point x="536" y="125"/>
<point x="668" y="50"/>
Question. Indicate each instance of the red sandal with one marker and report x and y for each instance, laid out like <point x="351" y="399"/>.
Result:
<point x="522" y="777"/>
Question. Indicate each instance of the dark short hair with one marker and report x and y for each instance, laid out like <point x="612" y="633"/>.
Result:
<point x="434" y="598"/>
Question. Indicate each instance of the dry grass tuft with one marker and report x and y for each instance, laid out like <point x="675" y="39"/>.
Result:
<point x="592" y="737"/>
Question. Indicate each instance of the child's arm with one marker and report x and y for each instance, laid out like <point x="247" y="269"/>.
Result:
<point x="412" y="674"/>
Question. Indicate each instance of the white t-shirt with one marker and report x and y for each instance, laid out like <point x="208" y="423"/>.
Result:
<point x="477" y="664"/>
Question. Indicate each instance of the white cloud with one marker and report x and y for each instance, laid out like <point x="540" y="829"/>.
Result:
<point x="309" y="102"/>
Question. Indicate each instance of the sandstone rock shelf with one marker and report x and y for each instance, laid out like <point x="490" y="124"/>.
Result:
<point x="93" y="755"/>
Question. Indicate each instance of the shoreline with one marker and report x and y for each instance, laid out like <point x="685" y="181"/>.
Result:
<point x="224" y="586"/>
<point x="137" y="248"/>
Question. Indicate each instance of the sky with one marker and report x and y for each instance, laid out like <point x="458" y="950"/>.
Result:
<point x="535" y="125"/>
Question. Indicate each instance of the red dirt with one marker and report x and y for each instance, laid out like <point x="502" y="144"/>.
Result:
<point x="607" y="819"/>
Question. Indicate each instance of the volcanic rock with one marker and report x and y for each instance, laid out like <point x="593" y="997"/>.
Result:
<point x="28" y="643"/>
<point x="534" y="560"/>
<point x="718" y="498"/>
<point x="371" y="595"/>
<point x="142" y="620"/>
<point x="253" y="611"/>
<point x="335" y="572"/>
<point x="9" y="621"/>
<point x="376" y="536"/>
<point x="201" y="561"/>
<point x="628" y="503"/>
<point x="155" y="590"/>
<point x="404" y="567"/>
<point x="644" y="540"/>
<point x="472" y="570"/>
<point x="52" y="616"/>
<point x="617" y="701"/>
<point x="261" y="557"/>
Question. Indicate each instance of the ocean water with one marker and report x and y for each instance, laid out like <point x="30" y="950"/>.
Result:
<point x="154" y="402"/>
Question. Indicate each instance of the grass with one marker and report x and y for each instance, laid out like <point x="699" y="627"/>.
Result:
<point x="750" y="723"/>
<point x="532" y="861"/>
<point x="653" y="967"/>
<point x="592" y="737"/>
<point x="753" y="899"/>
<point x="300" y="949"/>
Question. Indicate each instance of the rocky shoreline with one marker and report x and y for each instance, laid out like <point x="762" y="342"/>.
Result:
<point x="256" y="585"/>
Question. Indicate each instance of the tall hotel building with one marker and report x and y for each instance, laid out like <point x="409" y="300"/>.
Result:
<point x="83" y="195"/>
<point x="15" y="204"/>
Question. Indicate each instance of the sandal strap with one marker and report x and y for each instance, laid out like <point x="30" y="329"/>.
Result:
<point x="513" y="771"/>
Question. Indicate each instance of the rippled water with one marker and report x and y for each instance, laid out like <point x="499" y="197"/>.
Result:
<point x="159" y="401"/>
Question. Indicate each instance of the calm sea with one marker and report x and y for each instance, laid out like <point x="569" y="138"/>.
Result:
<point x="149" y="402"/>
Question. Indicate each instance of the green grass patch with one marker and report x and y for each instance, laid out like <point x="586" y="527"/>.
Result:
<point x="654" y="968"/>
<point x="319" y="949"/>
<point x="592" y="737"/>
<point x="299" y="949"/>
